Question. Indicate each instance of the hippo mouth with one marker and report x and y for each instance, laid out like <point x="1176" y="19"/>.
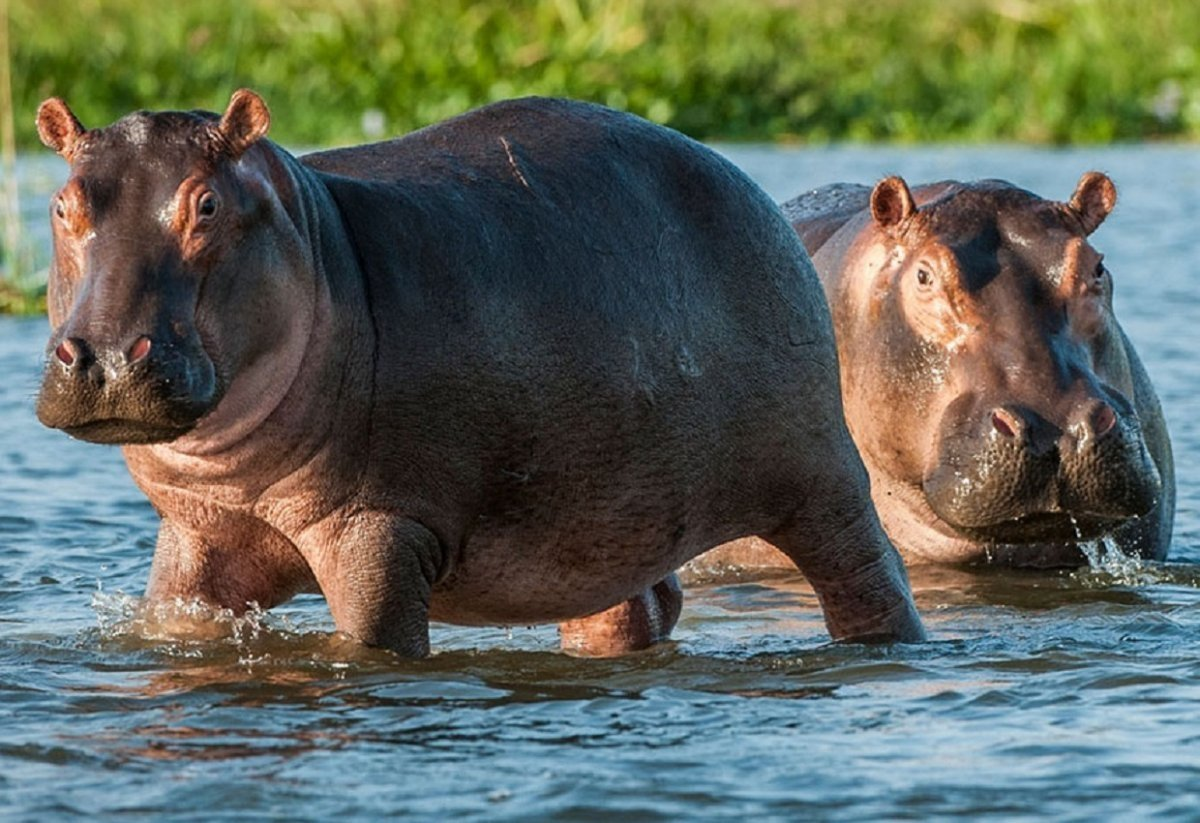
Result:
<point x="117" y="431"/>
<point x="136" y="418"/>
<point x="1042" y="527"/>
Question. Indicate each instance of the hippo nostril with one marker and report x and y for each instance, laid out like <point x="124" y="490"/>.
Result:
<point x="1104" y="420"/>
<point x="1093" y="422"/>
<point x="66" y="353"/>
<point x="139" y="349"/>
<point x="1006" y="423"/>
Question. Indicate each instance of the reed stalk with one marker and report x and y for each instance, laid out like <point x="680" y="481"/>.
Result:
<point x="21" y="290"/>
<point x="12" y="255"/>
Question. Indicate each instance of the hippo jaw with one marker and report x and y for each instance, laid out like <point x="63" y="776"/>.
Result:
<point x="1043" y="527"/>
<point x="125" y="432"/>
<point x="1068" y="487"/>
<point x="1037" y="540"/>
<point x="102" y="398"/>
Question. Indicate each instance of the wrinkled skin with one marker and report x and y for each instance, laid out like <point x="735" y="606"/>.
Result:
<point x="1000" y="410"/>
<point x="514" y="368"/>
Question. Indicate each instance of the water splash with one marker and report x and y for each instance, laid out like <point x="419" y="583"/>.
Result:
<point x="1106" y="557"/>
<point x="124" y="616"/>
<point x="1109" y="565"/>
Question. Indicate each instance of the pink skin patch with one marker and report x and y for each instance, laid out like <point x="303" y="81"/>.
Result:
<point x="66" y="353"/>
<point x="1104" y="420"/>
<point x="139" y="349"/>
<point x="1005" y="423"/>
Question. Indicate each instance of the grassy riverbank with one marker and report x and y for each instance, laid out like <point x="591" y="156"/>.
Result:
<point x="342" y="71"/>
<point x="919" y="70"/>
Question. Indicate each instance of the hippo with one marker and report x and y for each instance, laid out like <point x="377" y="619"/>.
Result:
<point x="1001" y="411"/>
<point x="513" y="368"/>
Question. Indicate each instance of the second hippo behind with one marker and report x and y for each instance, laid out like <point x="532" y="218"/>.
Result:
<point x="999" y="407"/>
<point x="1001" y="411"/>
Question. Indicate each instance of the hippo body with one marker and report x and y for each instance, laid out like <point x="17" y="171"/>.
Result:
<point x="1001" y="411"/>
<point x="513" y="368"/>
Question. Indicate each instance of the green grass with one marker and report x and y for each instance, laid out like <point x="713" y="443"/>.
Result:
<point x="341" y="71"/>
<point x="22" y="297"/>
<point x="921" y="70"/>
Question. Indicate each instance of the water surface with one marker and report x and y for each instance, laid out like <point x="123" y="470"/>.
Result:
<point x="1065" y="695"/>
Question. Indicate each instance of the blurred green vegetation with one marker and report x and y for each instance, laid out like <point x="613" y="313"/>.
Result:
<point x="340" y="71"/>
<point x="24" y="297"/>
<point x="343" y="71"/>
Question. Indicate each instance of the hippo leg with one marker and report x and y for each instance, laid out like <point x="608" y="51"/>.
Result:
<point x="858" y="577"/>
<point x="377" y="572"/>
<point x="251" y="564"/>
<point x="638" y="623"/>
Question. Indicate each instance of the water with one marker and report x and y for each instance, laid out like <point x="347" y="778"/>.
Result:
<point x="1065" y="695"/>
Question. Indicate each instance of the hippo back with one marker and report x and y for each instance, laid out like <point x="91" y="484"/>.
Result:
<point x="535" y="277"/>
<point x="818" y="214"/>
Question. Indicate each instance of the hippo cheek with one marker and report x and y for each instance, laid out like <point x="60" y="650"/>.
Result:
<point x="147" y="392"/>
<point x="979" y="485"/>
<point x="1116" y="478"/>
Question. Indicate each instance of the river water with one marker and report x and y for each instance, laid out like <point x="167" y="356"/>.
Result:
<point x="1069" y="695"/>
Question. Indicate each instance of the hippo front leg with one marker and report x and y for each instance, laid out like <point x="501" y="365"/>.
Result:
<point x="636" y="624"/>
<point x="232" y="563"/>
<point x="377" y="572"/>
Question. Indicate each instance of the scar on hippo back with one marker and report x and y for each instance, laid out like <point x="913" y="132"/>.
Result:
<point x="58" y="127"/>
<point x="1093" y="200"/>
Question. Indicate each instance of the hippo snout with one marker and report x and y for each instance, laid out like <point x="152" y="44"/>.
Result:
<point x="76" y="355"/>
<point x="146" y="389"/>
<point x="1088" y="424"/>
<point x="1007" y="472"/>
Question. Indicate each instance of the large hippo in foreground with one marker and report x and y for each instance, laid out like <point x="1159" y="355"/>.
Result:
<point x="1001" y="412"/>
<point x="513" y="368"/>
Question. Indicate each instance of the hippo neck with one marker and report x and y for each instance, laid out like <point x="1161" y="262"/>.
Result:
<point x="258" y="436"/>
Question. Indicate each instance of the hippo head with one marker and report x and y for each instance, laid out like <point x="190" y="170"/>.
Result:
<point x="998" y="394"/>
<point x="170" y="272"/>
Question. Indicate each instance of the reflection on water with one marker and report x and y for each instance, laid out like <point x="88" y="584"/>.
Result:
<point x="1051" y="694"/>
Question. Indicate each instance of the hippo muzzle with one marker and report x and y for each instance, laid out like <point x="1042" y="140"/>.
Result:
<point x="1006" y="473"/>
<point x="150" y="389"/>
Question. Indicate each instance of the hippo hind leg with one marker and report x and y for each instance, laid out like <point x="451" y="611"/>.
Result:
<point x="636" y="624"/>
<point x="858" y="577"/>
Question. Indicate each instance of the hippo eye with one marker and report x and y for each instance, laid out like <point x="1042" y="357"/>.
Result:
<point x="924" y="278"/>
<point x="1100" y="272"/>
<point x="206" y="206"/>
<point x="60" y="209"/>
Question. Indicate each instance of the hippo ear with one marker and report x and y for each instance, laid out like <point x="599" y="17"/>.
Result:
<point x="58" y="127"/>
<point x="245" y="121"/>
<point x="891" y="202"/>
<point x="1094" y="198"/>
